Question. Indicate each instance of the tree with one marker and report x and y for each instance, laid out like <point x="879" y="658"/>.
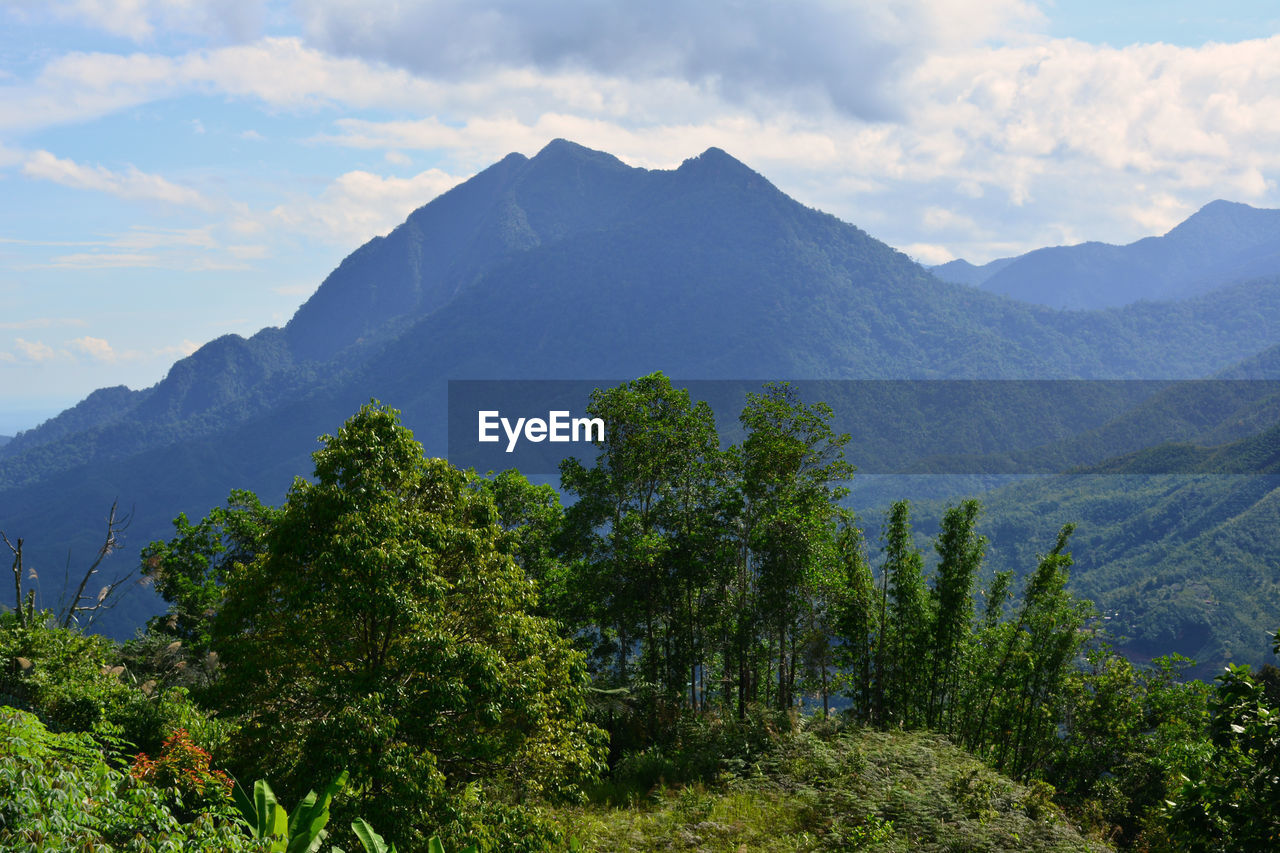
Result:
<point x="1232" y="801"/>
<point x="384" y="627"/>
<point x="855" y="622"/>
<point x="640" y="529"/>
<point x="792" y="469"/>
<point x="190" y="570"/>
<point x="960" y="553"/>
<point x="904" y="630"/>
<point x="92" y="604"/>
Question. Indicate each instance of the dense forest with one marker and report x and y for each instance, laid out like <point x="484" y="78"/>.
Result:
<point x="699" y="648"/>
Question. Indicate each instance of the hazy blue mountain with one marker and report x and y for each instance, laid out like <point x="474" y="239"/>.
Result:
<point x="1223" y="242"/>
<point x="961" y="271"/>
<point x="569" y="264"/>
<point x="5" y="439"/>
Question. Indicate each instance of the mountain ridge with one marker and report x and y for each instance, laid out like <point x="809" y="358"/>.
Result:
<point x="1221" y="243"/>
<point x="571" y="264"/>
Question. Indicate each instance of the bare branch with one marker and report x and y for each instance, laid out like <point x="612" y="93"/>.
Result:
<point x="104" y="599"/>
<point x="17" y="575"/>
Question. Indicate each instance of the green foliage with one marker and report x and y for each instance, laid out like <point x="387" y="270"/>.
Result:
<point x="374" y="843"/>
<point x="190" y="570"/>
<point x="74" y="683"/>
<point x="48" y="779"/>
<point x="823" y="787"/>
<point x="303" y="831"/>
<point x="1130" y="734"/>
<point x="902" y="654"/>
<point x="385" y="627"/>
<point x="1142" y="549"/>
<point x="637" y="531"/>
<point x="716" y="566"/>
<point x="960" y="552"/>
<point x="792" y="468"/>
<point x="1232" y="801"/>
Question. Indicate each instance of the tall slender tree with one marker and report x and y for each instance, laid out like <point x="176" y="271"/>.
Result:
<point x="793" y="475"/>
<point x="905" y="636"/>
<point x="960" y="554"/>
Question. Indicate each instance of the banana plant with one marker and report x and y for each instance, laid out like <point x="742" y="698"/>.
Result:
<point x="300" y="832"/>
<point x="374" y="843"/>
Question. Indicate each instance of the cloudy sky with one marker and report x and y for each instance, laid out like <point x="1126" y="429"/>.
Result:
<point x="173" y="170"/>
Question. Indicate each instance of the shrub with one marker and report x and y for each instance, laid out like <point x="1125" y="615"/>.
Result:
<point x="59" y="792"/>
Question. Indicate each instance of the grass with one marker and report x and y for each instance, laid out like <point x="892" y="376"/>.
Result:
<point x="823" y="789"/>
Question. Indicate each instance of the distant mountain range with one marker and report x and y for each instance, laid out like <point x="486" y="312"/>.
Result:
<point x="1223" y="242"/>
<point x="573" y="265"/>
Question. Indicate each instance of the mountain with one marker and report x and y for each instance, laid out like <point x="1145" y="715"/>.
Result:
<point x="569" y="264"/>
<point x="961" y="271"/>
<point x="1223" y="242"/>
<point x="1177" y="563"/>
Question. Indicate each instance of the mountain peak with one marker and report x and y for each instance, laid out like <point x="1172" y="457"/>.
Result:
<point x="1230" y="221"/>
<point x="564" y="151"/>
<point x="718" y="166"/>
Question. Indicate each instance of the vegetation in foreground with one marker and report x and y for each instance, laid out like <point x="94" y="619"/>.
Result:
<point x="474" y="661"/>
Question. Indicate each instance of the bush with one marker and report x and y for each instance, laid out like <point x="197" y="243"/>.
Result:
<point x="74" y="683"/>
<point x="59" y="792"/>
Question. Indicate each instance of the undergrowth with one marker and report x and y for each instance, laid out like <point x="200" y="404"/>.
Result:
<point x="821" y="788"/>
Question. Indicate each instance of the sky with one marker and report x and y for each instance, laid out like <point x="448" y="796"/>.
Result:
<point x="176" y="170"/>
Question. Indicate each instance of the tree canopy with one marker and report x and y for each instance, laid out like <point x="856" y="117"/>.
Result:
<point x="386" y="628"/>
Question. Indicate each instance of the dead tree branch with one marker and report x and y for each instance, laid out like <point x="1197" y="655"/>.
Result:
<point x="17" y="576"/>
<point x="105" y="598"/>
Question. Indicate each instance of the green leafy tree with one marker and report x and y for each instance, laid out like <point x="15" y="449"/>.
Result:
<point x="855" y="620"/>
<point x="903" y="649"/>
<point x="48" y="780"/>
<point x="1018" y="718"/>
<point x="385" y="627"/>
<point x="638" y="529"/>
<point x="960" y="553"/>
<point x="189" y="571"/>
<point x="1129" y="733"/>
<point x="1232" y="801"/>
<point x="793" y="471"/>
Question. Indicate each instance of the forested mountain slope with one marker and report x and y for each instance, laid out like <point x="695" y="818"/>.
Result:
<point x="569" y="264"/>
<point x="1222" y="243"/>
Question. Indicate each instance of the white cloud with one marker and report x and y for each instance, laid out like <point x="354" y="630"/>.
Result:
<point x="249" y="253"/>
<point x="808" y="51"/>
<point x="359" y="205"/>
<point x="145" y="237"/>
<point x="10" y="157"/>
<point x="104" y="260"/>
<point x="34" y="350"/>
<point x="929" y="254"/>
<point x="139" y="20"/>
<point x="96" y="348"/>
<point x="294" y="289"/>
<point x="183" y="349"/>
<point x="1021" y="139"/>
<point x="131" y="184"/>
